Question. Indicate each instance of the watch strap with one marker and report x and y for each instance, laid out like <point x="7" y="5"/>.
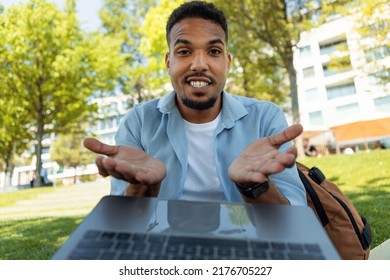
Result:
<point x="254" y="190"/>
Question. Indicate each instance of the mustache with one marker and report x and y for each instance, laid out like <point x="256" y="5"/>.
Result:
<point x="199" y="75"/>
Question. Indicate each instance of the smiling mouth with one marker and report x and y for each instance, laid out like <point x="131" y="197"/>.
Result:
<point x="198" y="84"/>
<point x="199" y="81"/>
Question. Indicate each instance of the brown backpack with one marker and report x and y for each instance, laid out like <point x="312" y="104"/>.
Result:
<point x="350" y="232"/>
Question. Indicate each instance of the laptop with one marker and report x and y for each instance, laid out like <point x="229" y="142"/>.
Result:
<point x="148" y="228"/>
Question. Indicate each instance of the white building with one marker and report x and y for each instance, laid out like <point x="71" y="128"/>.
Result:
<point x="346" y="106"/>
<point x="110" y="112"/>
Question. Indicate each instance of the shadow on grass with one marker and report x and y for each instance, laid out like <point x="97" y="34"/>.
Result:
<point x="381" y="181"/>
<point x="35" y="239"/>
<point x="374" y="205"/>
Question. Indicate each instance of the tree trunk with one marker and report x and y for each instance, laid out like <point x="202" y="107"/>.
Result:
<point x="292" y="75"/>
<point x="8" y="167"/>
<point x="75" y="175"/>
<point x="38" y="150"/>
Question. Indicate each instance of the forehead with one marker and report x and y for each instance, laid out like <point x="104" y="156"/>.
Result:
<point x="196" y="28"/>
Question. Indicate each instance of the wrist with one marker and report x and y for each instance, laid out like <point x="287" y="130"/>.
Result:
<point x="253" y="190"/>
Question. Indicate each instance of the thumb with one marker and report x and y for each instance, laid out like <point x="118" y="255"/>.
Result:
<point x="286" y="135"/>
<point x="98" y="147"/>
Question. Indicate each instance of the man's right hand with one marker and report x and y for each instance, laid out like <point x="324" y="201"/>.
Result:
<point x="143" y="172"/>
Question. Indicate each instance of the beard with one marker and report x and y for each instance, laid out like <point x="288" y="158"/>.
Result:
<point x="197" y="105"/>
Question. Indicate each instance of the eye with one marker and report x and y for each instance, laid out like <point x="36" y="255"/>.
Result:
<point x="183" y="52"/>
<point x="215" y="51"/>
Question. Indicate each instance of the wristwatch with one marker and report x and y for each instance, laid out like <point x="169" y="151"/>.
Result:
<point x="254" y="190"/>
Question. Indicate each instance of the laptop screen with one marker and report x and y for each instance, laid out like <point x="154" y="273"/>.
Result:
<point x="148" y="228"/>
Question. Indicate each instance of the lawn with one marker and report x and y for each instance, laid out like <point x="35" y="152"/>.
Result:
<point x="35" y="222"/>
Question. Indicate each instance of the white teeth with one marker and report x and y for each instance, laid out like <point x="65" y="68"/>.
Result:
<point x="198" y="84"/>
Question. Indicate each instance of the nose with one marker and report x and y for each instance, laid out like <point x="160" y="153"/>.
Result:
<point x="199" y="63"/>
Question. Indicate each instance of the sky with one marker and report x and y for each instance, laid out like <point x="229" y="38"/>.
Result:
<point x="87" y="11"/>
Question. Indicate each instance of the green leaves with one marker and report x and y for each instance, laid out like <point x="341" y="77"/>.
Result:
<point x="144" y="71"/>
<point x="68" y="150"/>
<point x="261" y="41"/>
<point x="49" y="68"/>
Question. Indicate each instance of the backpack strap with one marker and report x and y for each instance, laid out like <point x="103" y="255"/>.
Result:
<point x="366" y="235"/>
<point x="314" y="198"/>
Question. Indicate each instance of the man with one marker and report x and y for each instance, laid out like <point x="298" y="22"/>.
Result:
<point x="310" y="150"/>
<point x="199" y="142"/>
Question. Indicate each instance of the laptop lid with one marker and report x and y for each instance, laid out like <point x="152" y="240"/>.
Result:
<point x="219" y="222"/>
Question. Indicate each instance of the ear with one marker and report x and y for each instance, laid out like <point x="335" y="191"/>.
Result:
<point x="229" y="57"/>
<point x="167" y="63"/>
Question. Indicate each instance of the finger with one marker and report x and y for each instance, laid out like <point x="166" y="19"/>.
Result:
<point x="287" y="159"/>
<point x="101" y="169"/>
<point x="286" y="135"/>
<point x="110" y="166"/>
<point x="100" y="148"/>
<point x="134" y="174"/>
<point x="106" y="167"/>
<point x="272" y="166"/>
<point x="292" y="150"/>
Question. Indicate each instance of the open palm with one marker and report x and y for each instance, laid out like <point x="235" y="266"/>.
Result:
<point x="262" y="157"/>
<point x="126" y="163"/>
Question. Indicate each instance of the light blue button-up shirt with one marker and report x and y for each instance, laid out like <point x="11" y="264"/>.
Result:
<point x="157" y="127"/>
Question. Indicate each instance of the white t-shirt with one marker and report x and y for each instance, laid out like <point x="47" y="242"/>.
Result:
<point x="202" y="182"/>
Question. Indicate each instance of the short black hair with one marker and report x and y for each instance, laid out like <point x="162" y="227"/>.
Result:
<point x="197" y="9"/>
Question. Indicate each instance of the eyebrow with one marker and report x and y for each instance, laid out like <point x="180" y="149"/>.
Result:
<point x="186" y="42"/>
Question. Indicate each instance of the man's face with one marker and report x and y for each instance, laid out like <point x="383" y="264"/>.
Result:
<point x="197" y="62"/>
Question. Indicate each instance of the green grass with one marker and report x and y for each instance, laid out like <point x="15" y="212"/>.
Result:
<point x="34" y="223"/>
<point x="35" y="239"/>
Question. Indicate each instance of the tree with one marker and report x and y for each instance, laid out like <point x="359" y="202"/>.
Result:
<point x="122" y="20"/>
<point x="68" y="151"/>
<point x="51" y="68"/>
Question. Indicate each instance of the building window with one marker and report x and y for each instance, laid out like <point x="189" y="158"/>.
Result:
<point x="308" y="72"/>
<point x="311" y="94"/>
<point x="316" y="118"/>
<point x="377" y="53"/>
<point x="339" y="45"/>
<point x="108" y="138"/>
<point x="305" y="51"/>
<point x="379" y="78"/>
<point x="45" y="150"/>
<point x="340" y="65"/>
<point x="347" y="111"/>
<point x="340" y="91"/>
<point x="327" y="71"/>
<point x="382" y="104"/>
